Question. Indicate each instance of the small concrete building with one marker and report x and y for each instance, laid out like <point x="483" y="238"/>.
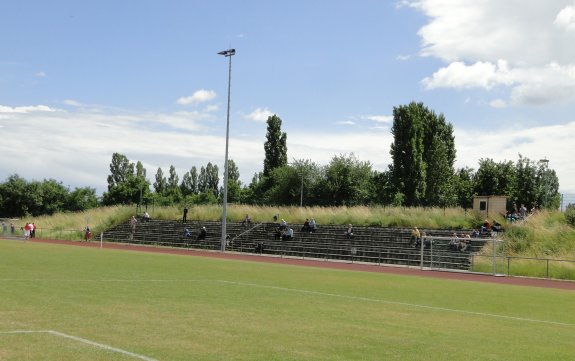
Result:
<point x="490" y="205"/>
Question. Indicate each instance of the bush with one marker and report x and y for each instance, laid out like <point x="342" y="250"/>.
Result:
<point x="570" y="214"/>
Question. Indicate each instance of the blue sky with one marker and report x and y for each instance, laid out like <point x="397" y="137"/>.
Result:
<point x="82" y="80"/>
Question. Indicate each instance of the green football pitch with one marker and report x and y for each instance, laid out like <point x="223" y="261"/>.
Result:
<point x="59" y="302"/>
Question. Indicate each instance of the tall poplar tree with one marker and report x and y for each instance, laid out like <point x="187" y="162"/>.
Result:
<point x="423" y="153"/>
<point x="275" y="146"/>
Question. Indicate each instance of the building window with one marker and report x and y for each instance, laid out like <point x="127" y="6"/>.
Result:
<point x="482" y="205"/>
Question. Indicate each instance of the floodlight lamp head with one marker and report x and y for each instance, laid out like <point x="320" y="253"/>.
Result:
<point x="228" y="52"/>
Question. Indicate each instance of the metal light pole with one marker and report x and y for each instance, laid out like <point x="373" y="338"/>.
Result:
<point x="228" y="54"/>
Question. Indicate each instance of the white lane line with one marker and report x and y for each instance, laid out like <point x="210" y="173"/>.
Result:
<point x="83" y="340"/>
<point x="415" y="305"/>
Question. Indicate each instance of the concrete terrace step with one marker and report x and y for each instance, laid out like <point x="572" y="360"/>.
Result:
<point x="369" y="244"/>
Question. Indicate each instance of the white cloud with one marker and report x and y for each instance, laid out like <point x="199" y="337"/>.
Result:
<point x="518" y="45"/>
<point x="380" y="118"/>
<point x="498" y="103"/>
<point x="345" y="122"/>
<point x="27" y="109"/>
<point x="403" y="57"/>
<point x="260" y="115"/>
<point x="41" y="74"/>
<point x="200" y="96"/>
<point x="566" y="18"/>
<point x="73" y="103"/>
<point x="181" y="139"/>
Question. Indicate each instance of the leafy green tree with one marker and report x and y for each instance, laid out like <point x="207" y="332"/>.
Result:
<point x="548" y="196"/>
<point x="464" y="187"/>
<point x="127" y="182"/>
<point x="203" y="180"/>
<point x="212" y="179"/>
<point x="161" y="183"/>
<point x="423" y="154"/>
<point x="234" y="183"/>
<point x="13" y="193"/>
<point x="82" y="199"/>
<point x="120" y="170"/>
<point x="408" y="167"/>
<point x="189" y="183"/>
<point x="383" y="187"/>
<point x="494" y="178"/>
<point x="526" y="186"/>
<point x="347" y="181"/>
<point x="275" y="146"/>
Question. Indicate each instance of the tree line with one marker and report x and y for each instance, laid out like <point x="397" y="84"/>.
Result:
<point x="421" y="174"/>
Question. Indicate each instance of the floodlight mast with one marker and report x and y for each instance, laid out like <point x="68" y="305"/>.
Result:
<point x="228" y="54"/>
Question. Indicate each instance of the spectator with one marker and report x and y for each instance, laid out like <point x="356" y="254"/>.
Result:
<point x="283" y="225"/>
<point x="12" y="230"/>
<point x="288" y="234"/>
<point x="4" y="228"/>
<point x="306" y="227"/>
<point x="247" y="221"/>
<point x="33" y="230"/>
<point x="202" y="235"/>
<point x="277" y="233"/>
<point x="187" y="233"/>
<point x="415" y="237"/>
<point x="465" y="243"/>
<point x="312" y="225"/>
<point x="454" y="243"/>
<point x="133" y="222"/>
<point x="87" y="234"/>
<point x="486" y="227"/>
<point x="27" y="231"/>
<point x="523" y="211"/>
<point x="185" y="217"/>
<point x="475" y="233"/>
<point x="349" y="232"/>
<point x="259" y="248"/>
<point x="146" y="217"/>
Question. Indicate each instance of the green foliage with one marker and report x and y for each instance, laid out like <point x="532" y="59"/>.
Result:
<point x="19" y="198"/>
<point x="423" y="153"/>
<point x="570" y="214"/>
<point x="347" y="181"/>
<point x="275" y="146"/>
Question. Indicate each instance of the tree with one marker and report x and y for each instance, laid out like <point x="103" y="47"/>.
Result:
<point x="160" y="185"/>
<point x="275" y="146"/>
<point x="189" y="183"/>
<point x="127" y="182"/>
<point x="81" y="199"/>
<point x="202" y="180"/>
<point x="347" y="181"/>
<point x="212" y="179"/>
<point x="495" y="178"/>
<point x="120" y="170"/>
<point x="547" y="187"/>
<point x="525" y="182"/>
<point x="423" y="154"/>
<point x="408" y="167"/>
<point x="464" y="187"/>
<point x="234" y="183"/>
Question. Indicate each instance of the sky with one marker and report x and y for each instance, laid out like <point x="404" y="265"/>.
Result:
<point x="81" y="80"/>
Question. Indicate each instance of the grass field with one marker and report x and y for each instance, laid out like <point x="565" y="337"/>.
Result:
<point x="92" y="304"/>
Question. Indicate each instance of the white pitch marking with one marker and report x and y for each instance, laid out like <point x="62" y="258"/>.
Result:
<point x="415" y="305"/>
<point x="83" y="340"/>
<point x="398" y="303"/>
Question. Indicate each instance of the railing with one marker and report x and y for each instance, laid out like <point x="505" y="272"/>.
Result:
<point x="525" y="266"/>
